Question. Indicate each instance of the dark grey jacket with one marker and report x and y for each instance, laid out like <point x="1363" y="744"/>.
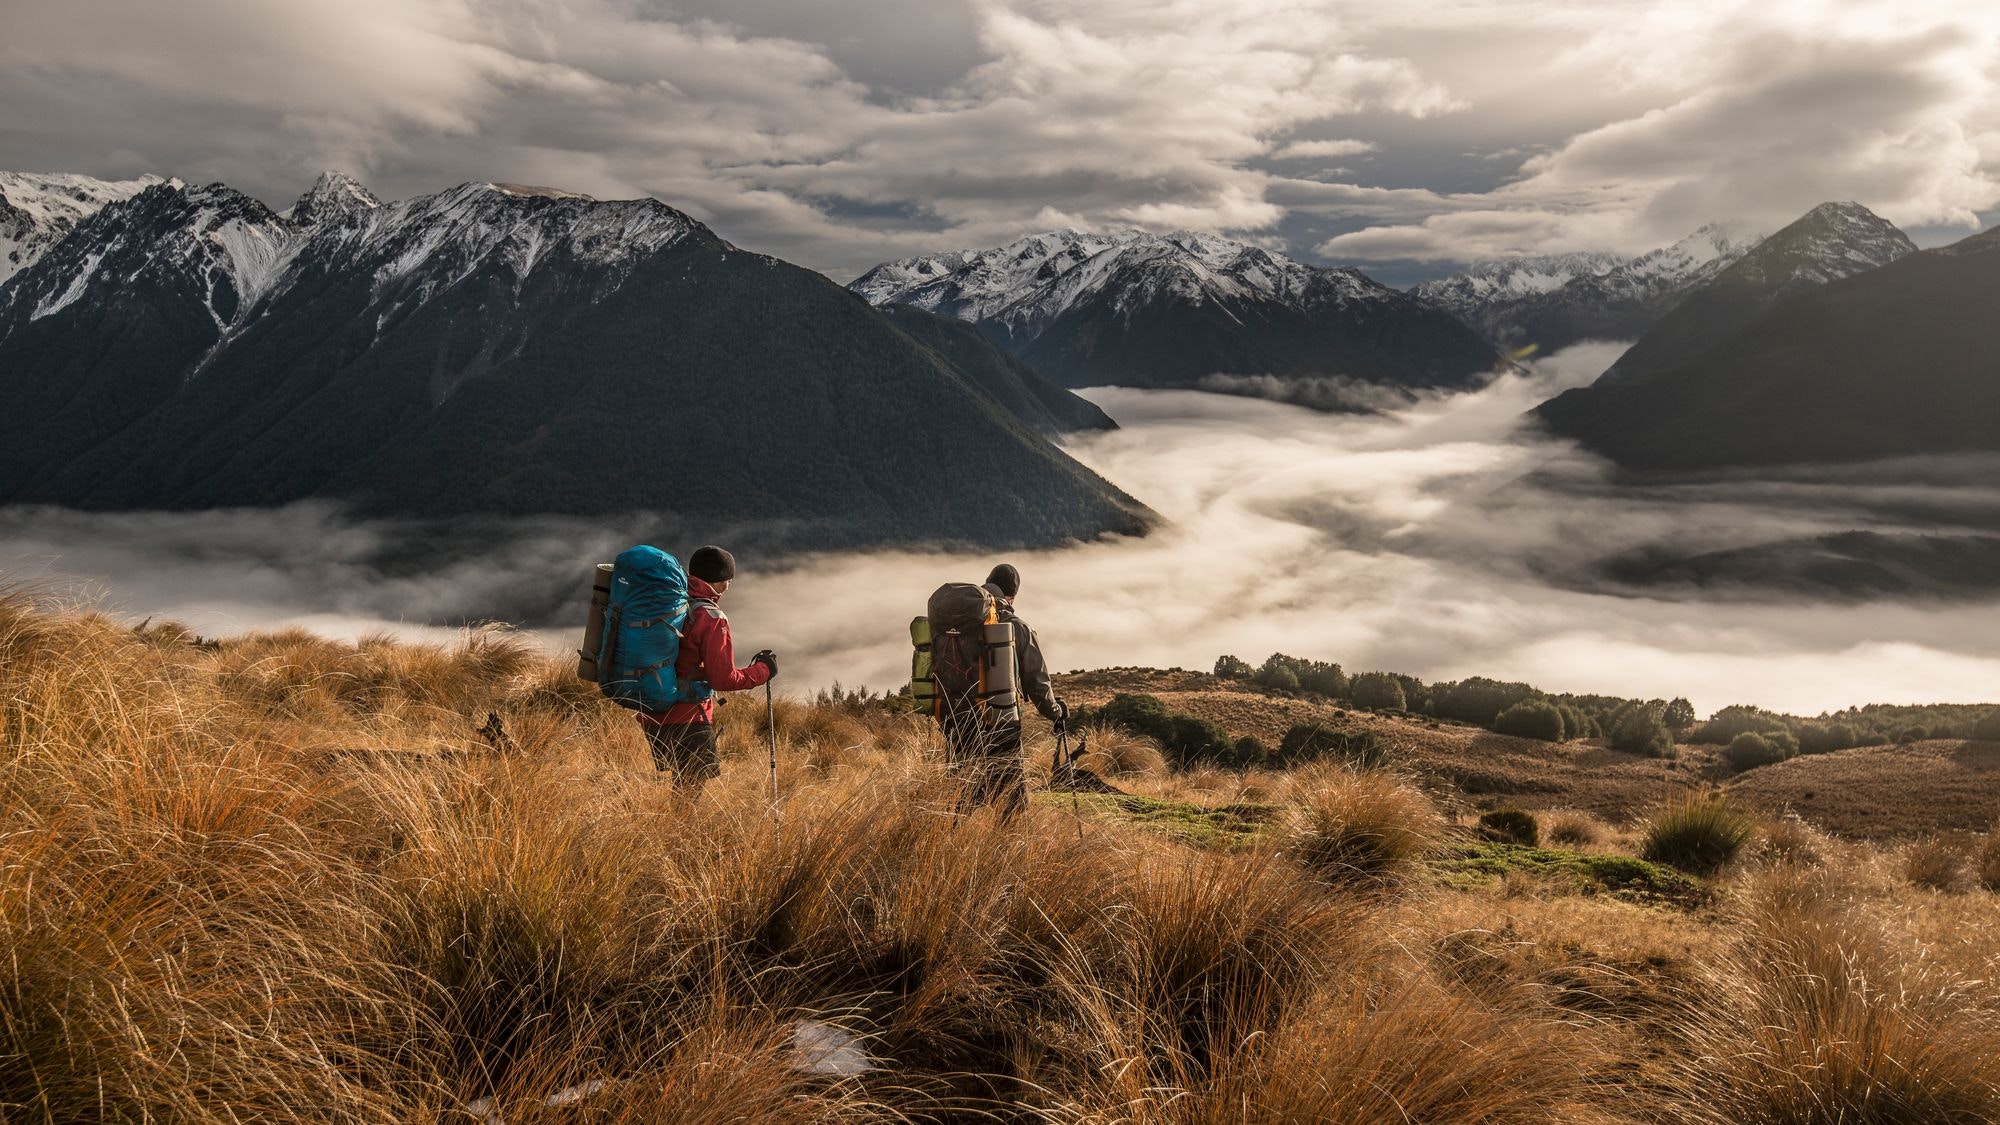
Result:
<point x="1028" y="659"/>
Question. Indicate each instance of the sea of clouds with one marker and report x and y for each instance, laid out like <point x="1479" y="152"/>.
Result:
<point x="1442" y="538"/>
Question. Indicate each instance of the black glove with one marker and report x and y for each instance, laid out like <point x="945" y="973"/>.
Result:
<point x="1062" y="717"/>
<point x="769" y="660"/>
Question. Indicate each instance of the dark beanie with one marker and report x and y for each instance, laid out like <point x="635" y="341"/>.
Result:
<point x="1005" y="579"/>
<point x="712" y="564"/>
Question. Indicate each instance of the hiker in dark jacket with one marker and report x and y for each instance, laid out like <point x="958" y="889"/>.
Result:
<point x="994" y="754"/>
<point x="683" y="736"/>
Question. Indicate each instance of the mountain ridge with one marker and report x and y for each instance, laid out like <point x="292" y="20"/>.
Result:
<point x="190" y="347"/>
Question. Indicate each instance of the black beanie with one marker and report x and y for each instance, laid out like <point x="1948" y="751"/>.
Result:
<point x="1005" y="579"/>
<point x="712" y="564"/>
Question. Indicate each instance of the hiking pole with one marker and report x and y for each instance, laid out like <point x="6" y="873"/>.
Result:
<point x="771" y="728"/>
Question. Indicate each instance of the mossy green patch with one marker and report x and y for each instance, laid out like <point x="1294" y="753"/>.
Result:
<point x="1208" y="826"/>
<point x="1475" y="864"/>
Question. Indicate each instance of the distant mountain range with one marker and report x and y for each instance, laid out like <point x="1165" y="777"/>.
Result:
<point x="1811" y="352"/>
<point x="1548" y="303"/>
<point x="1146" y="310"/>
<point x="506" y="350"/>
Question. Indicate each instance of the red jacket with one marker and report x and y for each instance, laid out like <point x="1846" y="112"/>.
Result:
<point x="708" y="655"/>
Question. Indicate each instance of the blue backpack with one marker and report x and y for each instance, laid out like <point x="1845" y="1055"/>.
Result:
<point x="642" y="632"/>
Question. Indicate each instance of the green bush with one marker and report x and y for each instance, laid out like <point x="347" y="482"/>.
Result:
<point x="1825" y="738"/>
<point x="1380" y="691"/>
<point x="1698" y="834"/>
<point x="1679" y="715"/>
<point x="1185" y="739"/>
<point x="1531" y="718"/>
<point x="1729" y="722"/>
<point x="1988" y="728"/>
<point x="1307" y="742"/>
<point x="1636" y="729"/>
<point x="1230" y="668"/>
<point x="1477" y="699"/>
<point x="1749" y="750"/>
<point x="1282" y="679"/>
<point x="1511" y="826"/>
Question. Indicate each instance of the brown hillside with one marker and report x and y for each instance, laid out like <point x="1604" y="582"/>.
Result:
<point x="1874" y="793"/>
<point x="1884" y="792"/>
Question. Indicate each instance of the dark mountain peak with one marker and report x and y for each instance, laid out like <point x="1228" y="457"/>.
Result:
<point x="1832" y="240"/>
<point x="333" y="196"/>
<point x="1827" y="243"/>
<point x="1893" y="361"/>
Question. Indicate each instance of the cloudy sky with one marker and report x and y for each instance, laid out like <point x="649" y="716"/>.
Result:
<point x="1403" y="137"/>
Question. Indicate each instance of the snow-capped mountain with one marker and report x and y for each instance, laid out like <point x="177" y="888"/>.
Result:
<point x="38" y="209"/>
<point x="1591" y="297"/>
<point x="1832" y="241"/>
<point x="1503" y="280"/>
<point x="1162" y="310"/>
<point x="490" y="348"/>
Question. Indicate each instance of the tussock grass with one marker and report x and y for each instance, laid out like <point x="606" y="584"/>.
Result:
<point x="1935" y="864"/>
<point x="1359" y="825"/>
<point x="1698" y="834"/>
<point x="281" y="877"/>
<point x="1819" y="1016"/>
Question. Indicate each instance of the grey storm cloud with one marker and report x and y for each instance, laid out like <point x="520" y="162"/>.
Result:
<point x="841" y="134"/>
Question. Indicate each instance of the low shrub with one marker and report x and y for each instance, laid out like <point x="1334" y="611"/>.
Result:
<point x="1511" y="826"/>
<point x="1989" y="861"/>
<point x="1749" y="750"/>
<point x="1185" y="739"/>
<point x="1934" y="864"/>
<point x="1723" y="726"/>
<point x="1988" y="728"/>
<point x="1698" y="834"/>
<point x="1640" y="731"/>
<point x="1531" y="718"/>
<point x="1308" y="742"/>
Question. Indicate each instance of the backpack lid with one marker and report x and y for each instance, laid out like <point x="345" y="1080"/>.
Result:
<point x="958" y="605"/>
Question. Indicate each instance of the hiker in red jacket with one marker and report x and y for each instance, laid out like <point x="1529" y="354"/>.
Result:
<point x="683" y="736"/>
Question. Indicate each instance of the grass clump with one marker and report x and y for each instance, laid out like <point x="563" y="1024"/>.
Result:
<point x="1935" y="864"/>
<point x="1699" y="834"/>
<point x="1817" y="1015"/>
<point x="1574" y="829"/>
<point x="1989" y="861"/>
<point x="1360" y="826"/>
<point x="1510" y="826"/>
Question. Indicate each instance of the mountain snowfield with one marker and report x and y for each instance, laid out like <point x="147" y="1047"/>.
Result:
<point x="1549" y="303"/>
<point x="1028" y="283"/>
<point x="242" y="256"/>
<point x="1140" y="309"/>
<point x="37" y="210"/>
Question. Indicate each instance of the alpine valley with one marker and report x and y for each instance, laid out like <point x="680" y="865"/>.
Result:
<point x="501" y="350"/>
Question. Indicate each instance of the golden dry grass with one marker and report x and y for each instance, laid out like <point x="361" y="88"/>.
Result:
<point x="286" y="878"/>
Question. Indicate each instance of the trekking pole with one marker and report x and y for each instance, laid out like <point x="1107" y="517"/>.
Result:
<point x="771" y="728"/>
<point x="1068" y="761"/>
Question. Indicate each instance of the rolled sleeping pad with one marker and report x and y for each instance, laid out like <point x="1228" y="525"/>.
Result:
<point x="923" y="689"/>
<point x="1003" y="678"/>
<point x="593" y="625"/>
